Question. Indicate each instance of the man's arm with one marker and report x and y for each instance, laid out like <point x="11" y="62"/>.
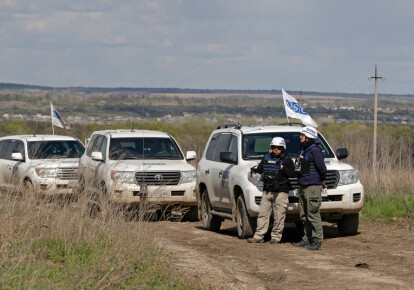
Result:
<point x="288" y="168"/>
<point x="259" y="167"/>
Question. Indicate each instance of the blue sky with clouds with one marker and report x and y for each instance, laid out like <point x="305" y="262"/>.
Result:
<point x="318" y="45"/>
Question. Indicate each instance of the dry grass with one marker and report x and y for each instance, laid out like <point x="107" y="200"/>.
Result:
<point x="395" y="174"/>
<point x="58" y="245"/>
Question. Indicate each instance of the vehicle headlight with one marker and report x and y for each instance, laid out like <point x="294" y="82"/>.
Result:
<point x="348" y="177"/>
<point x="188" y="176"/>
<point x="123" y="176"/>
<point x="46" y="172"/>
<point x="255" y="178"/>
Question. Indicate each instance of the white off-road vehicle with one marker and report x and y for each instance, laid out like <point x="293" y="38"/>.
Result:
<point x="225" y="191"/>
<point x="131" y="167"/>
<point x="44" y="164"/>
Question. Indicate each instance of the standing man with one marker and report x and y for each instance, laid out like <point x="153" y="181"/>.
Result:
<point x="277" y="167"/>
<point x="311" y="170"/>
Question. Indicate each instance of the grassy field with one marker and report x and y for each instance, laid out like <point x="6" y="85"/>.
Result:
<point x="58" y="246"/>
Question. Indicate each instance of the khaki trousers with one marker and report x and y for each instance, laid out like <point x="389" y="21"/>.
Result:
<point x="276" y="203"/>
<point x="309" y="207"/>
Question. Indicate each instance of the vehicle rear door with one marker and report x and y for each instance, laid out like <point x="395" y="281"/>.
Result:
<point x="12" y="168"/>
<point x="3" y="168"/>
<point x="220" y="173"/>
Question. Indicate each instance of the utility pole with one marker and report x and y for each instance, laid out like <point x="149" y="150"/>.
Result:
<point x="374" y="150"/>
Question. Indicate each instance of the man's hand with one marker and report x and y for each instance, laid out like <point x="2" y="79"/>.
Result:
<point x="324" y="185"/>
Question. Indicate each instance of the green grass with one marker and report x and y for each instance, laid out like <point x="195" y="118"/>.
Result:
<point x="68" y="264"/>
<point x="47" y="247"/>
<point x="389" y="208"/>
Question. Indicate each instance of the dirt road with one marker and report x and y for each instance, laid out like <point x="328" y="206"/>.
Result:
<point x="380" y="256"/>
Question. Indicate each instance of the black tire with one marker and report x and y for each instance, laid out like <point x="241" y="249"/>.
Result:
<point x="246" y="225"/>
<point x="29" y="191"/>
<point x="209" y="221"/>
<point x="192" y="214"/>
<point x="94" y="204"/>
<point x="348" y="225"/>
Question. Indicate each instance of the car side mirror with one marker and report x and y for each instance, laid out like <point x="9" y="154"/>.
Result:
<point x="191" y="155"/>
<point x="97" y="156"/>
<point x="341" y="153"/>
<point x="17" y="156"/>
<point x="227" y="157"/>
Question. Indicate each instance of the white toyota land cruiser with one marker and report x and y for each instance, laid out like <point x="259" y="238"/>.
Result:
<point x="134" y="166"/>
<point x="225" y="191"/>
<point x="44" y="164"/>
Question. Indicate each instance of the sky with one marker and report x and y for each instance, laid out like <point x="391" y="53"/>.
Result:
<point x="308" y="45"/>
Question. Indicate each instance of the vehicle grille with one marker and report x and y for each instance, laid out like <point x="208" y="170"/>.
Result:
<point x="331" y="180"/>
<point x="158" y="177"/>
<point x="67" y="173"/>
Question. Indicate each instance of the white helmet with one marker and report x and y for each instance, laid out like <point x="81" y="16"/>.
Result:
<point x="278" y="141"/>
<point x="309" y="132"/>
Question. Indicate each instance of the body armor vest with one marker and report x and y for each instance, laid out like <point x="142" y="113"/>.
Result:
<point x="305" y="166"/>
<point x="271" y="167"/>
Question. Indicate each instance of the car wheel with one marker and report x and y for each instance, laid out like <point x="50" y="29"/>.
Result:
<point x="209" y="221"/>
<point x="245" y="224"/>
<point x="348" y="225"/>
<point x="191" y="215"/>
<point x="94" y="203"/>
<point x="28" y="190"/>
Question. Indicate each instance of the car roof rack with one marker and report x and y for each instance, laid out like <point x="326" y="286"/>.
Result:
<point x="292" y="124"/>
<point x="230" y="125"/>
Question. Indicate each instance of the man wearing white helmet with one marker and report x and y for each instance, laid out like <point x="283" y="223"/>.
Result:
<point x="311" y="170"/>
<point x="276" y="167"/>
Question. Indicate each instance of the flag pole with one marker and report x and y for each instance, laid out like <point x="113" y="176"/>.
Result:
<point x="51" y="114"/>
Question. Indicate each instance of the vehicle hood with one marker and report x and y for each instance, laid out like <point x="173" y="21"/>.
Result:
<point x="55" y="163"/>
<point x="335" y="164"/>
<point x="150" y="165"/>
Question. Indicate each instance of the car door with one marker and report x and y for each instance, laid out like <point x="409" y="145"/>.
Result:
<point x="13" y="168"/>
<point x="95" y="167"/>
<point x="220" y="173"/>
<point x="3" y="167"/>
<point x="206" y="163"/>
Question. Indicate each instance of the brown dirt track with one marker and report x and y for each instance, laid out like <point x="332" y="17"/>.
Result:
<point x="380" y="256"/>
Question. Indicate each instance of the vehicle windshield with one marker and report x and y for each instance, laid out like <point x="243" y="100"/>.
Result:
<point x="254" y="146"/>
<point x="144" y="148"/>
<point x="56" y="149"/>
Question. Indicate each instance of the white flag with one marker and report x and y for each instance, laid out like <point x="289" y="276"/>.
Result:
<point x="294" y="110"/>
<point x="57" y="120"/>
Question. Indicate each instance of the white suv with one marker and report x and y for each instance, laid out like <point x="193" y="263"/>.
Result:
<point x="225" y="191"/>
<point x="44" y="164"/>
<point x="131" y="166"/>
